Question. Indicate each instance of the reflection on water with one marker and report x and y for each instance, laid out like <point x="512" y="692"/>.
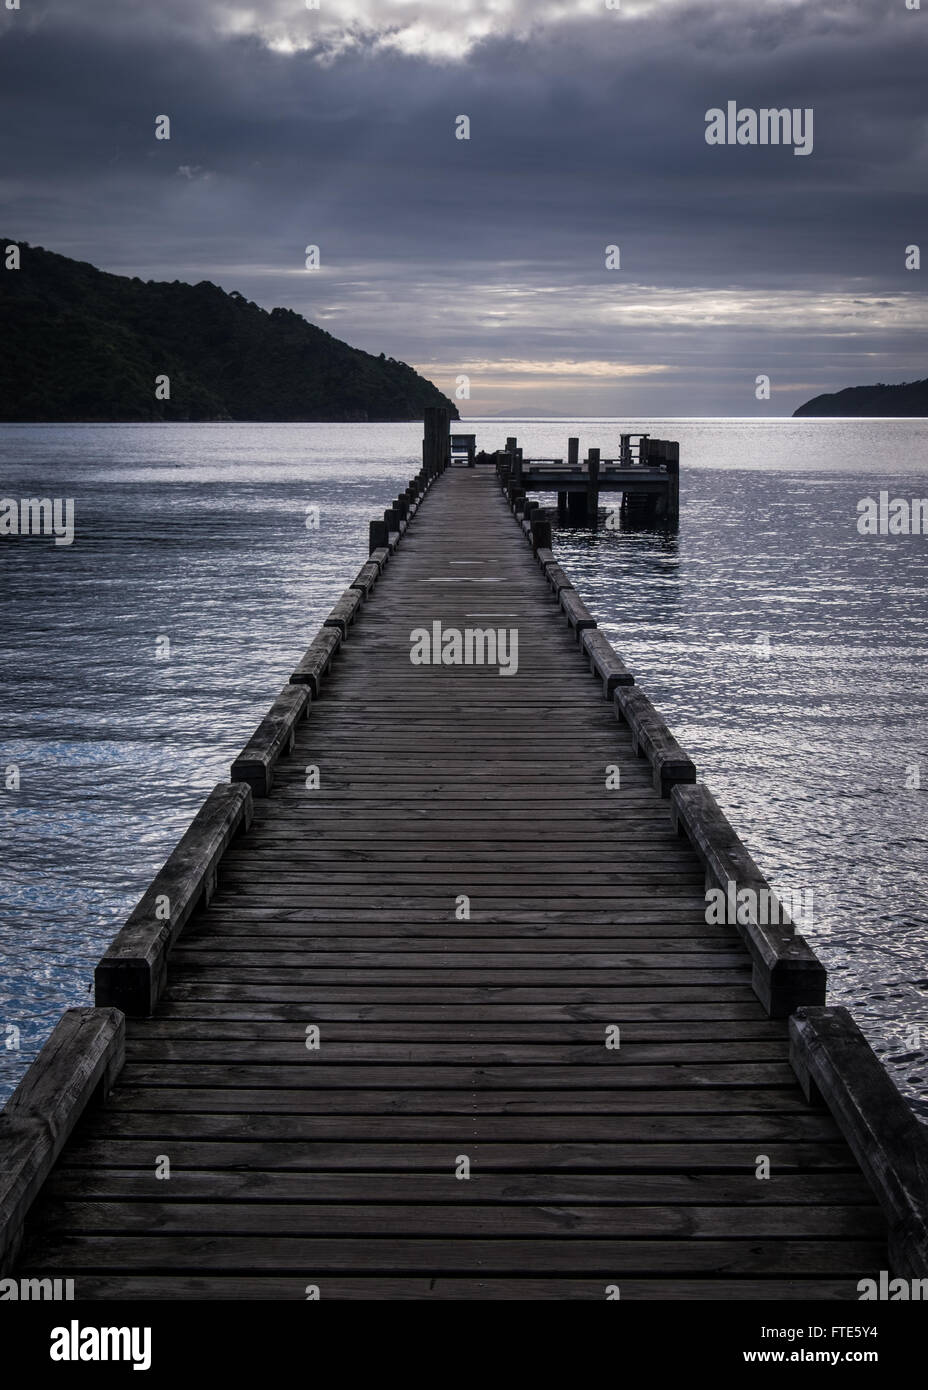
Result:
<point x="787" y="652"/>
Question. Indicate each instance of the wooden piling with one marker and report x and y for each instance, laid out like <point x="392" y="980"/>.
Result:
<point x="436" y="443"/>
<point x="592" y="487"/>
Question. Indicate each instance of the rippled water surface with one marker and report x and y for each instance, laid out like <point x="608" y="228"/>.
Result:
<point x="788" y="652"/>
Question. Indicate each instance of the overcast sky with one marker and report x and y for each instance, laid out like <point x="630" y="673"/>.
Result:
<point x="336" y="127"/>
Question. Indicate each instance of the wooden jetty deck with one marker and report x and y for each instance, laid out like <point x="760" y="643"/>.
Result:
<point x="646" y="474"/>
<point x="452" y="1044"/>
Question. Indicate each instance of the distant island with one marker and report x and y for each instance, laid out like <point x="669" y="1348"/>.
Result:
<point x="908" y="398"/>
<point x="80" y="344"/>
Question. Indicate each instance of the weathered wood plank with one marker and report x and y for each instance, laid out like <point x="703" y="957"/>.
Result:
<point x="368" y="1098"/>
<point x="444" y="1218"/>
<point x="373" y="1050"/>
<point x="612" y="1258"/>
<point x="127" y="1143"/>
<point x="618" y="1189"/>
<point x="146" y="1288"/>
<point x="188" y="1115"/>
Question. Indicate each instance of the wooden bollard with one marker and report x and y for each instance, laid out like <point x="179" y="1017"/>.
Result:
<point x="541" y="535"/>
<point x="515" y="454"/>
<point x="379" y="536"/>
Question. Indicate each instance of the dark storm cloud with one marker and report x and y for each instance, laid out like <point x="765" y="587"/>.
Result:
<point x="487" y="255"/>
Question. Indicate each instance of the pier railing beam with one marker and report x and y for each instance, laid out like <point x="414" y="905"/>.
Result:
<point x="77" y="1065"/>
<point x="132" y="973"/>
<point x="787" y="973"/>
<point x="835" y="1064"/>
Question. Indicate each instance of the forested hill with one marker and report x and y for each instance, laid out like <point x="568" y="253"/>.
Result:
<point x="80" y="344"/>
<point x="909" y="398"/>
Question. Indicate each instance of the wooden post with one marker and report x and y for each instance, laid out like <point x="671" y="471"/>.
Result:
<point x="541" y="534"/>
<point x="592" y="487"/>
<point x="573" y="453"/>
<point x="379" y="535"/>
<point x="515" y="454"/>
<point x="673" y="497"/>
<point x="436" y="445"/>
<point x="562" y="507"/>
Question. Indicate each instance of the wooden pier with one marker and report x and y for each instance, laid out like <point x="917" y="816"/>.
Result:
<point x="645" y="471"/>
<point x="425" y="1005"/>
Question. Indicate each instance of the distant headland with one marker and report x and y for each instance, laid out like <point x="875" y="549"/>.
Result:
<point x="80" y="344"/>
<point x="909" y="398"/>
